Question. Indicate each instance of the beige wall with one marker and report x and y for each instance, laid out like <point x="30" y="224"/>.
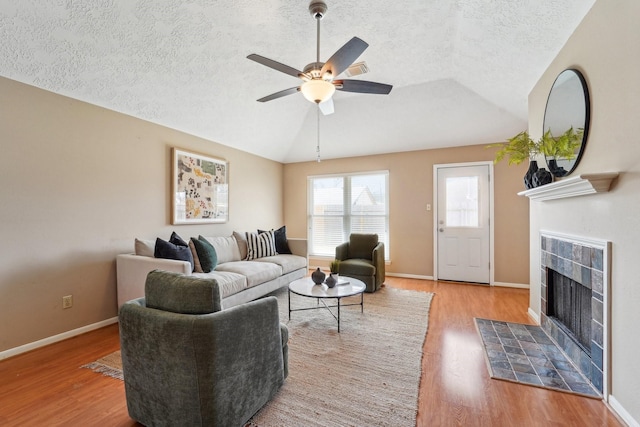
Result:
<point x="78" y="183"/>
<point x="605" y="48"/>
<point x="410" y="190"/>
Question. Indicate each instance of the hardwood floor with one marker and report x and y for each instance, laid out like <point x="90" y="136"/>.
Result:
<point x="47" y="387"/>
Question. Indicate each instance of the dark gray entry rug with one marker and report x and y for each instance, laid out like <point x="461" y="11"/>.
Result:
<point x="525" y="354"/>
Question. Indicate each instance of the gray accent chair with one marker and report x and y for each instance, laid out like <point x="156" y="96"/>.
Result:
<point x="362" y="258"/>
<point x="186" y="362"/>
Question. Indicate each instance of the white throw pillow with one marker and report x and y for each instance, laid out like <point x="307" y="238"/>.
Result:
<point x="241" y="238"/>
<point x="226" y="248"/>
<point x="145" y="247"/>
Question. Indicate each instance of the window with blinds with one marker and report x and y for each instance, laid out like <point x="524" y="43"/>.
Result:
<point x="343" y="204"/>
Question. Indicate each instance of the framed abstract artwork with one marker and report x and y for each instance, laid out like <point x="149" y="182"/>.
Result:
<point x="200" y="188"/>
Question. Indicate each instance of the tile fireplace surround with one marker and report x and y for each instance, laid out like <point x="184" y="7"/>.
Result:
<point x="586" y="261"/>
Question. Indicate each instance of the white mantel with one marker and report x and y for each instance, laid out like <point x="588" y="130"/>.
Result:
<point x="580" y="185"/>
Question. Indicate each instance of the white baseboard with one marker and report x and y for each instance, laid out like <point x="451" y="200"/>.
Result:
<point x="406" y="276"/>
<point x="533" y="315"/>
<point x="409" y="276"/>
<point x="511" y="285"/>
<point x="622" y="413"/>
<point x="421" y="277"/>
<point x="56" y="338"/>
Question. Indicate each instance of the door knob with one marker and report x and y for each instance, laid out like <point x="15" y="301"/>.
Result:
<point x="441" y="229"/>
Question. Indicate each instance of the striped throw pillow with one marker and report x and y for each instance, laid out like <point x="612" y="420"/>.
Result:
<point x="260" y="245"/>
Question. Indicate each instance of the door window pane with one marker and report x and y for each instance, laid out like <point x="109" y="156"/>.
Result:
<point x="462" y="201"/>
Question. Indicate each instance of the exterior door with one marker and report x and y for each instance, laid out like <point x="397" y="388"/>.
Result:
<point x="463" y="223"/>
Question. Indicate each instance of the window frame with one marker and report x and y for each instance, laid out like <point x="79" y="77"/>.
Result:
<point x="347" y="214"/>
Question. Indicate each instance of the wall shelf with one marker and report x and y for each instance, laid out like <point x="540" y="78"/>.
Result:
<point x="580" y="185"/>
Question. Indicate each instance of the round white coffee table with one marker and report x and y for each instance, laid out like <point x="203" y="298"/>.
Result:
<point x="306" y="288"/>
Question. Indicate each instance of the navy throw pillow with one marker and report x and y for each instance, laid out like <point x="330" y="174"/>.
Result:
<point x="177" y="240"/>
<point x="168" y="250"/>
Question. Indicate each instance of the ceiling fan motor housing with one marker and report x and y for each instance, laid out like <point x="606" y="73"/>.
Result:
<point x="313" y="69"/>
<point x="318" y="9"/>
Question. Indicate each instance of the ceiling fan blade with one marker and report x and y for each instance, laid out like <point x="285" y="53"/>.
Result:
<point x="362" y="86"/>
<point x="345" y="56"/>
<point x="326" y="107"/>
<point x="275" y="65"/>
<point x="279" y="94"/>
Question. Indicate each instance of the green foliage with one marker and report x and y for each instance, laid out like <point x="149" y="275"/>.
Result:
<point x="518" y="149"/>
<point x="334" y="266"/>
<point x="563" y="146"/>
<point x="521" y="147"/>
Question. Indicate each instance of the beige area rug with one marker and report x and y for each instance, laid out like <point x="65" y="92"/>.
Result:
<point x="110" y="365"/>
<point x="366" y="375"/>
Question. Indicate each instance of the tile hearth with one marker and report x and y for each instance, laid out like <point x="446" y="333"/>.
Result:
<point x="525" y="354"/>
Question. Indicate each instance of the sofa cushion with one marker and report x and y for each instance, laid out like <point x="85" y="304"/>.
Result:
<point x="255" y="272"/>
<point x="169" y="250"/>
<point x="280" y="235"/>
<point x="178" y="293"/>
<point x="226" y="248"/>
<point x="228" y="283"/>
<point x="177" y="240"/>
<point x="288" y="263"/>
<point x="144" y="247"/>
<point x="204" y="255"/>
<point x="241" y="238"/>
<point x="260" y="245"/>
<point x="197" y="268"/>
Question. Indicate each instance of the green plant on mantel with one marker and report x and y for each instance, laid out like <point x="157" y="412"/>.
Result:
<point x="563" y="146"/>
<point x="521" y="147"/>
<point x="517" y="148"/>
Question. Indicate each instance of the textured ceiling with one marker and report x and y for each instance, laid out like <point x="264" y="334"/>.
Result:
<point x="461" y="69"/>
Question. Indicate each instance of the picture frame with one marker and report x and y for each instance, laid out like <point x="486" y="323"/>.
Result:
<point x="200" y="188"/>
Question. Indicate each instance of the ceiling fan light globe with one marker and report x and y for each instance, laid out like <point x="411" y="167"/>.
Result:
<point x="317" y="90"/>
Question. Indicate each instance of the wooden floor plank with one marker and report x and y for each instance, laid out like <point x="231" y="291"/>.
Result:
<point x="47" y="386"/>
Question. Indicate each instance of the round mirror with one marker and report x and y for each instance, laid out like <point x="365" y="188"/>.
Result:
<point x="566" y="122"/>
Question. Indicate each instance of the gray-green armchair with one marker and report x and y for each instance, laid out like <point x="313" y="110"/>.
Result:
<point x="187" y="362"/>
<point x="362" y="258"/>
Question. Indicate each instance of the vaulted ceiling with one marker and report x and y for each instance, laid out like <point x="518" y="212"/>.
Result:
<point x="461" y="70"/>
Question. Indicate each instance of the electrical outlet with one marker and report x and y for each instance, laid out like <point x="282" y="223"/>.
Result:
<point x="67" y="301"/>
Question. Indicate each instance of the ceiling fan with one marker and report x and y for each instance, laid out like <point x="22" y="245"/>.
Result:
<point x="319" y="84"/>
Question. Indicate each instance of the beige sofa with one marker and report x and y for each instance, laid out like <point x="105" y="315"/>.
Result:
<point x="239" y="281"/>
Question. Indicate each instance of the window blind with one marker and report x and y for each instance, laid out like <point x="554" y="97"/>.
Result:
<point x="343" y="204"/>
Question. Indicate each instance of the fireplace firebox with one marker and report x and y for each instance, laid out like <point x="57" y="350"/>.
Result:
<point x="569" y="304"/>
